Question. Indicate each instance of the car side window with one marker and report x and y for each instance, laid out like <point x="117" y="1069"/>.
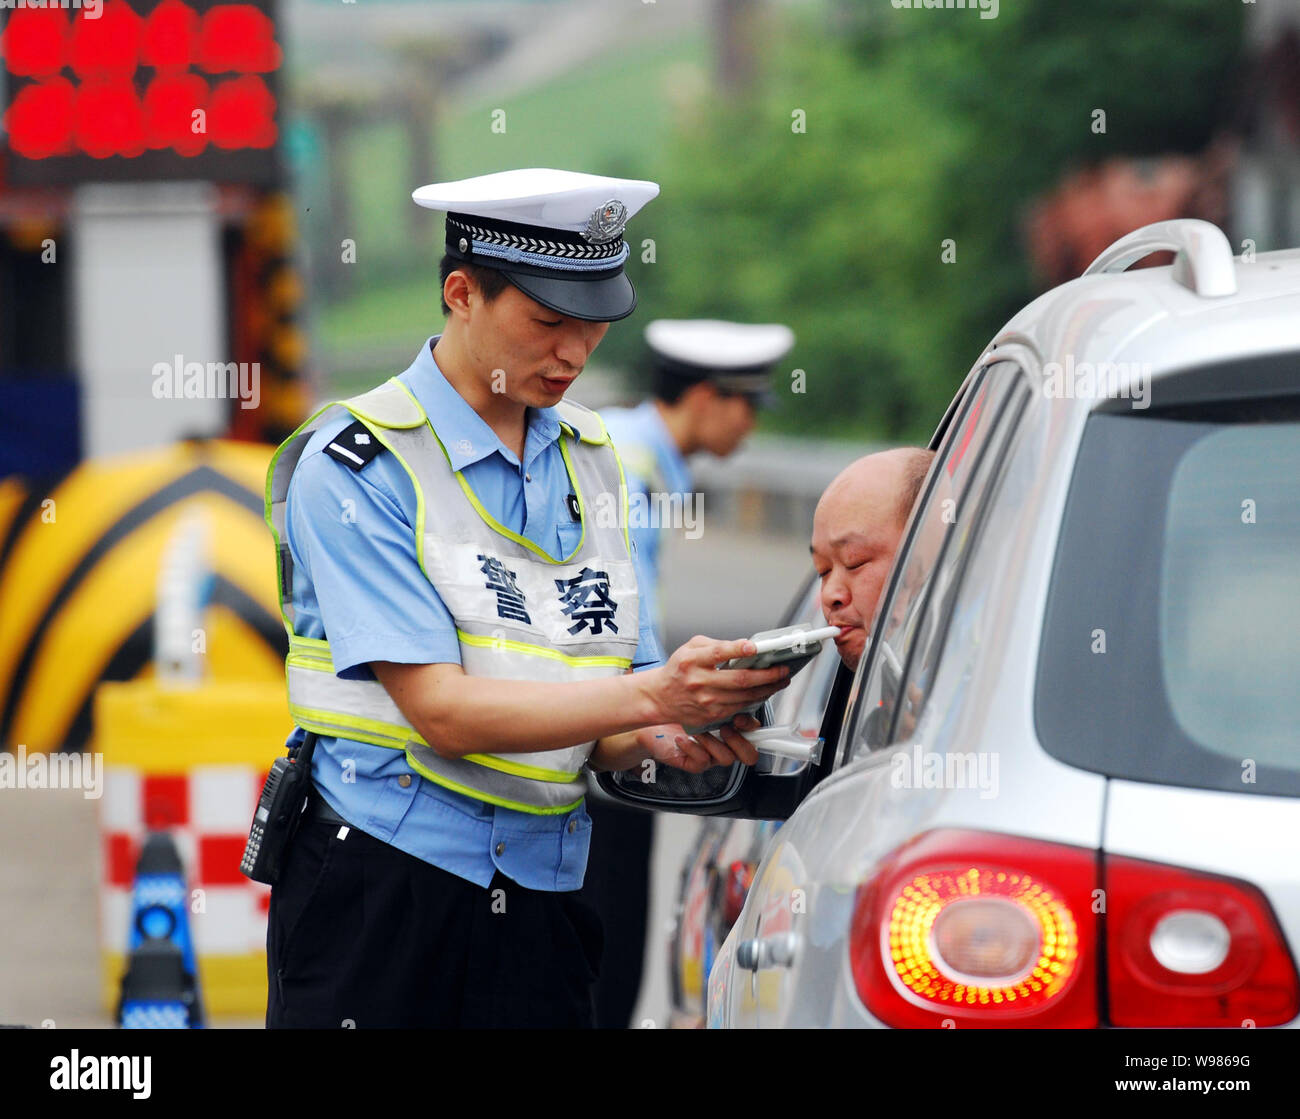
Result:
<point x="912" y="619"/>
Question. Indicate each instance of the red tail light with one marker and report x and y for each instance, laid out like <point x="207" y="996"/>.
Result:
<point x="966" y="928"/>
<point x="1190" y="949"/>
<point x="975" y="929"/>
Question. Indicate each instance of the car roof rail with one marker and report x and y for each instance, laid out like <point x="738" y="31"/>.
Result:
<point x="1204" y="257"/>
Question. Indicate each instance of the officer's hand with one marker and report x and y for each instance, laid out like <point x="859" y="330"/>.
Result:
<point x="671" y="745"/>
<point x="691" y="689"/>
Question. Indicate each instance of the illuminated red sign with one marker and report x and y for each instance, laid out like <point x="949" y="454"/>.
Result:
<point x="132" y="79"/>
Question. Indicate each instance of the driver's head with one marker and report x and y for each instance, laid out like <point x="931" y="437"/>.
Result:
<point x="856" y="531"/>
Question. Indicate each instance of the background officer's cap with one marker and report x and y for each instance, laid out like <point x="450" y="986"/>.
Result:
<point x="556" y="235"/>
<point x="736" y="357"/>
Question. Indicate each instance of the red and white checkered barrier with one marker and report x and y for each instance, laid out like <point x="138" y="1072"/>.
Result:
<point x="207" y="810"/>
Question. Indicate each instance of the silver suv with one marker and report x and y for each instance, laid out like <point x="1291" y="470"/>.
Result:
<point x="1061" y="789"/>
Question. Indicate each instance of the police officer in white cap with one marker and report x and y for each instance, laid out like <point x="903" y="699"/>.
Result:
<point x="464" y="624"/>
<point x="709" y="379"/>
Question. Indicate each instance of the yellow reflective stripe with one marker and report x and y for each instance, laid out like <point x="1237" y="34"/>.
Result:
<point x="622" y="493"/>
<point x="501" y="529"/>
<point x="302" y="719"/>
<point x="310" y="652"/>
<point x="313" y="653"/>
<point x="534" y="772"/>
<point x="268" y="516"/>
<point x="314" y="664"/>
<point x="367" y="730"/>
<point x="415" y="482"/>
<point x="390" y="734"/>
<point x="582" y="505"/>
<point x="516" y="805"/>
<point x="327" y="728"/>
<point x="379" y="733"/>
<point x="542" y="651"/>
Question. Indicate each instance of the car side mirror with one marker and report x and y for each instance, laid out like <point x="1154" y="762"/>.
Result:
<point x="770" y="790"/>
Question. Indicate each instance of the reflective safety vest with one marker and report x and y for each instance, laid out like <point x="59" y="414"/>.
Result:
<point x="641" y="460"/>
<point x="520" y="614"/>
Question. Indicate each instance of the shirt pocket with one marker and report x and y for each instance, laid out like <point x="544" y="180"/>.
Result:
<point x="567" y="534"/>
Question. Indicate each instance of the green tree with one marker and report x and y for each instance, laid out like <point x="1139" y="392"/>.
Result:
<point x="919" y="128"/>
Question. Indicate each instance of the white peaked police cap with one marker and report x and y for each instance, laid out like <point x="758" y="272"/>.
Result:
<point x="556" y="235"/>
<point x="737" y="357"/>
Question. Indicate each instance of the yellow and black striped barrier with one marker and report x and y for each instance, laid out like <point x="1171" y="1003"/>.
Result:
<point x="79" y="563"/>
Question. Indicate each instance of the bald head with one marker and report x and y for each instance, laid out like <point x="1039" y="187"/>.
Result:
<point x="856" y="531"/>
<point x="876" y="487"/>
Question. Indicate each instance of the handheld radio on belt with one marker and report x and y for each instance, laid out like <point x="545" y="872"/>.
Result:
<point x="279" y="812"/>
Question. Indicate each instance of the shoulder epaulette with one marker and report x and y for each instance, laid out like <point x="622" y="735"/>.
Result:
<point x="354" y="446"/>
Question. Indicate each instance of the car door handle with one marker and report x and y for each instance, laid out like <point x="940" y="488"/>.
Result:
<point x="767" y="951"/>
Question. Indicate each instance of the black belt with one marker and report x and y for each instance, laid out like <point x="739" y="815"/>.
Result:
<point x="318" y="809"/>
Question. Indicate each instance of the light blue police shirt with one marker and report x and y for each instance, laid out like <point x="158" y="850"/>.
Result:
<point x="643" y="427"/>
<point x="358" y="582"/>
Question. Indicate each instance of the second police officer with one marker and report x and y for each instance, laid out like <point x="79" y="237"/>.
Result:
<point x="709" y="379"/>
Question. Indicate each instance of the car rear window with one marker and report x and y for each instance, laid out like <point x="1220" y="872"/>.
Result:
<point x="1171" y="644"/>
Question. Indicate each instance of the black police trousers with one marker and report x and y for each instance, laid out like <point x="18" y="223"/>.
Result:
<point x="618" y="887"/>
<point x="361" y="934"/>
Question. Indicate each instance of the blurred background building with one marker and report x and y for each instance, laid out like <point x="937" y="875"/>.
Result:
<point x="186" y="183"/>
